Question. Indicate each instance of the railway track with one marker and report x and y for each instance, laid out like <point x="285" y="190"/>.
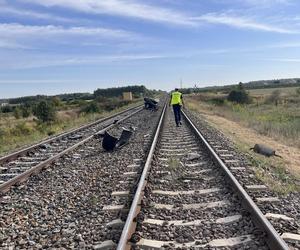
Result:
<point x="20" y="165"/>
<point x="62" y="207"/>
<point x="166" y="189"/>
<point x="188" y="199"/>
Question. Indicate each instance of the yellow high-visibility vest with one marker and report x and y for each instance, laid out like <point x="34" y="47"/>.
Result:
<point x="176" y="98"/>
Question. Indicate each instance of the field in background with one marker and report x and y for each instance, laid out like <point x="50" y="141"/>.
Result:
<point x="273" y="112"/>
<point x="284" y="91"/>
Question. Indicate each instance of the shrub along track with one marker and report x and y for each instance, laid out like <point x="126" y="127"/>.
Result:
<point x="188" y="199"/>
<point x="62" y="206"/>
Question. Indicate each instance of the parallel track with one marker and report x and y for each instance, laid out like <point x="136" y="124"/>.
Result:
<point x="192" y="203"/>
<point x="19" y="166"/>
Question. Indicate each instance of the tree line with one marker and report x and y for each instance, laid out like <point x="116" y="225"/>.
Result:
<point x="136" y="91"/>
<point x="45" y="107"/>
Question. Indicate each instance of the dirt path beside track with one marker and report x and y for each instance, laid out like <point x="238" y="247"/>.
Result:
<point x="248" y="137"/>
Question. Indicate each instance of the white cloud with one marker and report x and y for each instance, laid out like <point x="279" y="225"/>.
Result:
<point x="125" y="8"/>
<point x="30" y="31"/>
<point x="256" y="3"/>
<point x="285" y="45"/>
<point x="28" y="62"/>
<point x="242" y="23"/>
<point x="33" y="14"/>
<point x="135" y="9"/>
<point x="11" y="45"/>
<point x="266" y="2"/>
<point x="287" y="60"/>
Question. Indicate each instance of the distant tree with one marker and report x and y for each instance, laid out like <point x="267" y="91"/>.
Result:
<point x="17" y="112"/>
<point x="7" y="109"/>
<point x="274" y="97"/>
<point x="241" y="86"/>
<point x="117" y="92"/>
<point x="92" y="107"/>
<point x="27" y="99"/>
<point x="26" y="110"/>
<point x="45" y="111"/>
<point x="56" y="101"/>
<point x="239" y="95"/>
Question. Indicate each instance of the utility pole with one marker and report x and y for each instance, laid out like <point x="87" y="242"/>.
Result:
<point x="180" y="83"/>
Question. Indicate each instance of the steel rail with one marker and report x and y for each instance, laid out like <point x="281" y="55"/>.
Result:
<point x="128" y="227"/>
<point x="273" y="238"/>
<point x="25" y="175"/>
<point x="27" y="149"/>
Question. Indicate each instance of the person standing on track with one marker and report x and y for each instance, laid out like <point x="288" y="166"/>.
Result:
<point x="177" y="102"/>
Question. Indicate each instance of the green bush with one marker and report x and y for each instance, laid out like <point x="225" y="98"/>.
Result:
<point x="219" y="101"/>
<point x="17" y="112"/>
<point x="3" y="133"/>
<point x="114" y="103"/>
<point x="56" y="101"/>
<point x="51" y="132"/>
<point x="6" y="109"/>
<point x="21" y="129"/>
<point x="274" y="97"/>
<point x="238" y="96"/>
<point x="26" y="111"/>
<point x="92" y="107"/>
<point x="45" y="111"/>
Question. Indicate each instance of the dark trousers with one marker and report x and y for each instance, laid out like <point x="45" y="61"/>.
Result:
<point x="177" y="113"/>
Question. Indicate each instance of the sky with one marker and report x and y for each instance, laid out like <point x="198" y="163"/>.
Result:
<point x="65" y="46"/>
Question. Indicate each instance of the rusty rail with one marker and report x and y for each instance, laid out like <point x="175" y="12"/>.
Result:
<point x="23" y="151"/>
<point x="25" y="175"/>
<point x="273" y="239"/>
<point x="129" y="226"/>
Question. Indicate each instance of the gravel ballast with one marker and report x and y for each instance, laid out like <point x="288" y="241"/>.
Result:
<point x="62" y="207"/>
<point x="288" y="205"/>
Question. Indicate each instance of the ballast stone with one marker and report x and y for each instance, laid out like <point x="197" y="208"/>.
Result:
<point x="106" y="245"/>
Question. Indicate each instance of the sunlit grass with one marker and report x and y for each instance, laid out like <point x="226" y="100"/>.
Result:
<point x="18" y="133"/>
<point x="281" y="122"/>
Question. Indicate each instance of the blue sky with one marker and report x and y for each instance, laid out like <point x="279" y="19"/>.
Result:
<point x="59" y="46"/>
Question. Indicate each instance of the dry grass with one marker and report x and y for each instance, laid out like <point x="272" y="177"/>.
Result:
<point x="268" y="91"/>
<point x="281" y="122"/>
<point x="18" y="133"/>
<point x="278" y="174"/>
<point x="241" y="125"/>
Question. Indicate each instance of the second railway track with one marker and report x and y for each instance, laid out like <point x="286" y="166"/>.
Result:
<point x="62" y="207"/>
<point x="18" y="166"/>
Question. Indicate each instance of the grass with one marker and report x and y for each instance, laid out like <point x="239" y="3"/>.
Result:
<point x="16" y="133"/>
<point x="281" y="122"/>
<point x="271" y="171"/>
<point x="267" y="91"/>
